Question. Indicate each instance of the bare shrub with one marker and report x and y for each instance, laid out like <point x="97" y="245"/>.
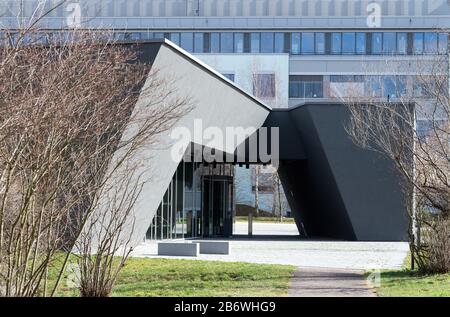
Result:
<point x="69" y="130"/>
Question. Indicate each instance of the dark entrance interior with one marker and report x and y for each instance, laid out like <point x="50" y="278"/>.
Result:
<point x="217" y="206"/>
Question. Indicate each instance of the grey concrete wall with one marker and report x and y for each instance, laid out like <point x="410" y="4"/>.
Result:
<point x="215" y="101"/>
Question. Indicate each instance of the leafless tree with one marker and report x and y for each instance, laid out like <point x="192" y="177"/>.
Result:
<point x="75" y="115"/>
<point x="409" y="123"/>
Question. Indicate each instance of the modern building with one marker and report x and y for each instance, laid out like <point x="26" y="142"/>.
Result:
<point x="288" y="53"/>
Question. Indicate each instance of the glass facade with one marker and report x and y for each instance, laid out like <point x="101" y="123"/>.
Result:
<point x="186" y="208"/>
<point x="301" y="86"/>
<point x="295" y="43"/>
<point x="336" y="43"/>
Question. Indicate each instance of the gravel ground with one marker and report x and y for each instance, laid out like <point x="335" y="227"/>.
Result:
<point x="282" y="249"/>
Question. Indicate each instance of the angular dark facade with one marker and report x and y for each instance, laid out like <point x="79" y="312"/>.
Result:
<point x="335" y="188"/>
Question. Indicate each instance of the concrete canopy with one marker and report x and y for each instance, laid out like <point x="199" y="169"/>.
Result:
<point x="335" y="189"/>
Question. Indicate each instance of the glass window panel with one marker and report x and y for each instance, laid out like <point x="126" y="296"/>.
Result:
<point x="307" y="43"/>
<point x="187" y="41"/>
<point x="320" y="43"/>
<point x="360" y="43"/>
<point x="348" y="43"/>
<point x="159" y="35"/>
<point x="336" y="43"/>
<point x="226" y="42"/>
<point x="295" y="43"/>
<point x="402" y="43"/>
<point x="229" y="76"/>
<point x="418" y="43"/>
<point x="239" y="42"/>
<point x="215" y="42"/>
<point x="377" y="43"/>
<point x="175" y="37"/>
<point x="389" y="43"/>
<point x="198" y="43"/>
<point x="264" y="85"/>
<point x="431" y="42"/>
<point x="279" y="42"/>
<point x="255" y="43"/>
<point x="266" y="42"/>
<point x="443" y="43"/>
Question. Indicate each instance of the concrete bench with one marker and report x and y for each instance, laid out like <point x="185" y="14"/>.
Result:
<point x="178" y="249"/>
<point x="214" y="247"/>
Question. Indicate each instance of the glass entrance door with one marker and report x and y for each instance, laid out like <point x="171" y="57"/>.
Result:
<point x="217" y="206"/>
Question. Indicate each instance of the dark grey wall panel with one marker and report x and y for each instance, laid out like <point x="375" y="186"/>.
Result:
<point x="335" y="188"/>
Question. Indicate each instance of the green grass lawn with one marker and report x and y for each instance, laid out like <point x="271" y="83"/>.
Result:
<point x="405" y="283"/>
<point x="167" y="277"/>
<point x="265" y="219"/>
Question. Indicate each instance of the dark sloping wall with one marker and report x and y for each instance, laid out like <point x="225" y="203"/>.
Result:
<point x="340" y="190"/>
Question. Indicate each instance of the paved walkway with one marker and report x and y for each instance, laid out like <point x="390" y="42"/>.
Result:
<point x="328" y="282"/>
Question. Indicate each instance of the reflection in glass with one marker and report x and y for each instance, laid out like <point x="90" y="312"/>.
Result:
<point x="198" y="43"/>
<point x="279" y="42"/>
<point x="402" y="43"/>
<point x="389" y="43"/>
<point x="443" y="43"/>
<point x="175" y="37"/>
<point x="187" y="41"/>
<point x="377" y="43"/>
<point x="226" y="42"/>
<point x="255" y="43"/>
<point x="215" y="42"/>
<point x="308" y="43"/>
<point x="360" y="43"/>
<point x="431" y="43"/>
<point x="418" y="43"/>
<point x="295" y="43"/>
<point x="336" y="43"/>
<point x="320" y="43"/>
<point x="239" y="42"/>
<point x="348" y="43"/>
<point x="266" y="42"/>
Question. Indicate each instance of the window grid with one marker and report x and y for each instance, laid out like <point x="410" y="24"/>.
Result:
<point x="303" y="43"/>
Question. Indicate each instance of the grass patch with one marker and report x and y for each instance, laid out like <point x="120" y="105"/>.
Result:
<point x="166" y="277"/>
<point x="266" y="219"/>
<point x="406" y="283"/>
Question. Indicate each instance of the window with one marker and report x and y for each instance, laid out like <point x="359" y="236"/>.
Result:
<point x="215" y="42"/>
<point x="418" y="43"/>
<point x="266" y="42"/>
<point x="443" y="43"/>
<point x="377" y="43"/>
<point x="226" y="42"/>
<point x="308" y="43"/>
<point x="402" y="43"/>
<point x="239" y="42"/>
<point x="175" y="37"/>
<point x="336" y="43"/>
<point x="348" y="43"/>
<point x="229" y="76"/>
<point x="320" y="43"/>
<point x="279" y="42"/>
<point x="295" y="43"/>
<point x="360" y="43"/>
<point x="389" y="43"/>
<point x="305" y="86"/>
<point x="431" y="43"/>
<point x="187" y="41"/>
<point x="255" y="43"/>
<point x="159" y="35"/>
<point x="264" y="85"/>
<point x="198" y="43"/>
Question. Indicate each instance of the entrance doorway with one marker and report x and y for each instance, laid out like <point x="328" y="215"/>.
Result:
<point x="217" y="206"/>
